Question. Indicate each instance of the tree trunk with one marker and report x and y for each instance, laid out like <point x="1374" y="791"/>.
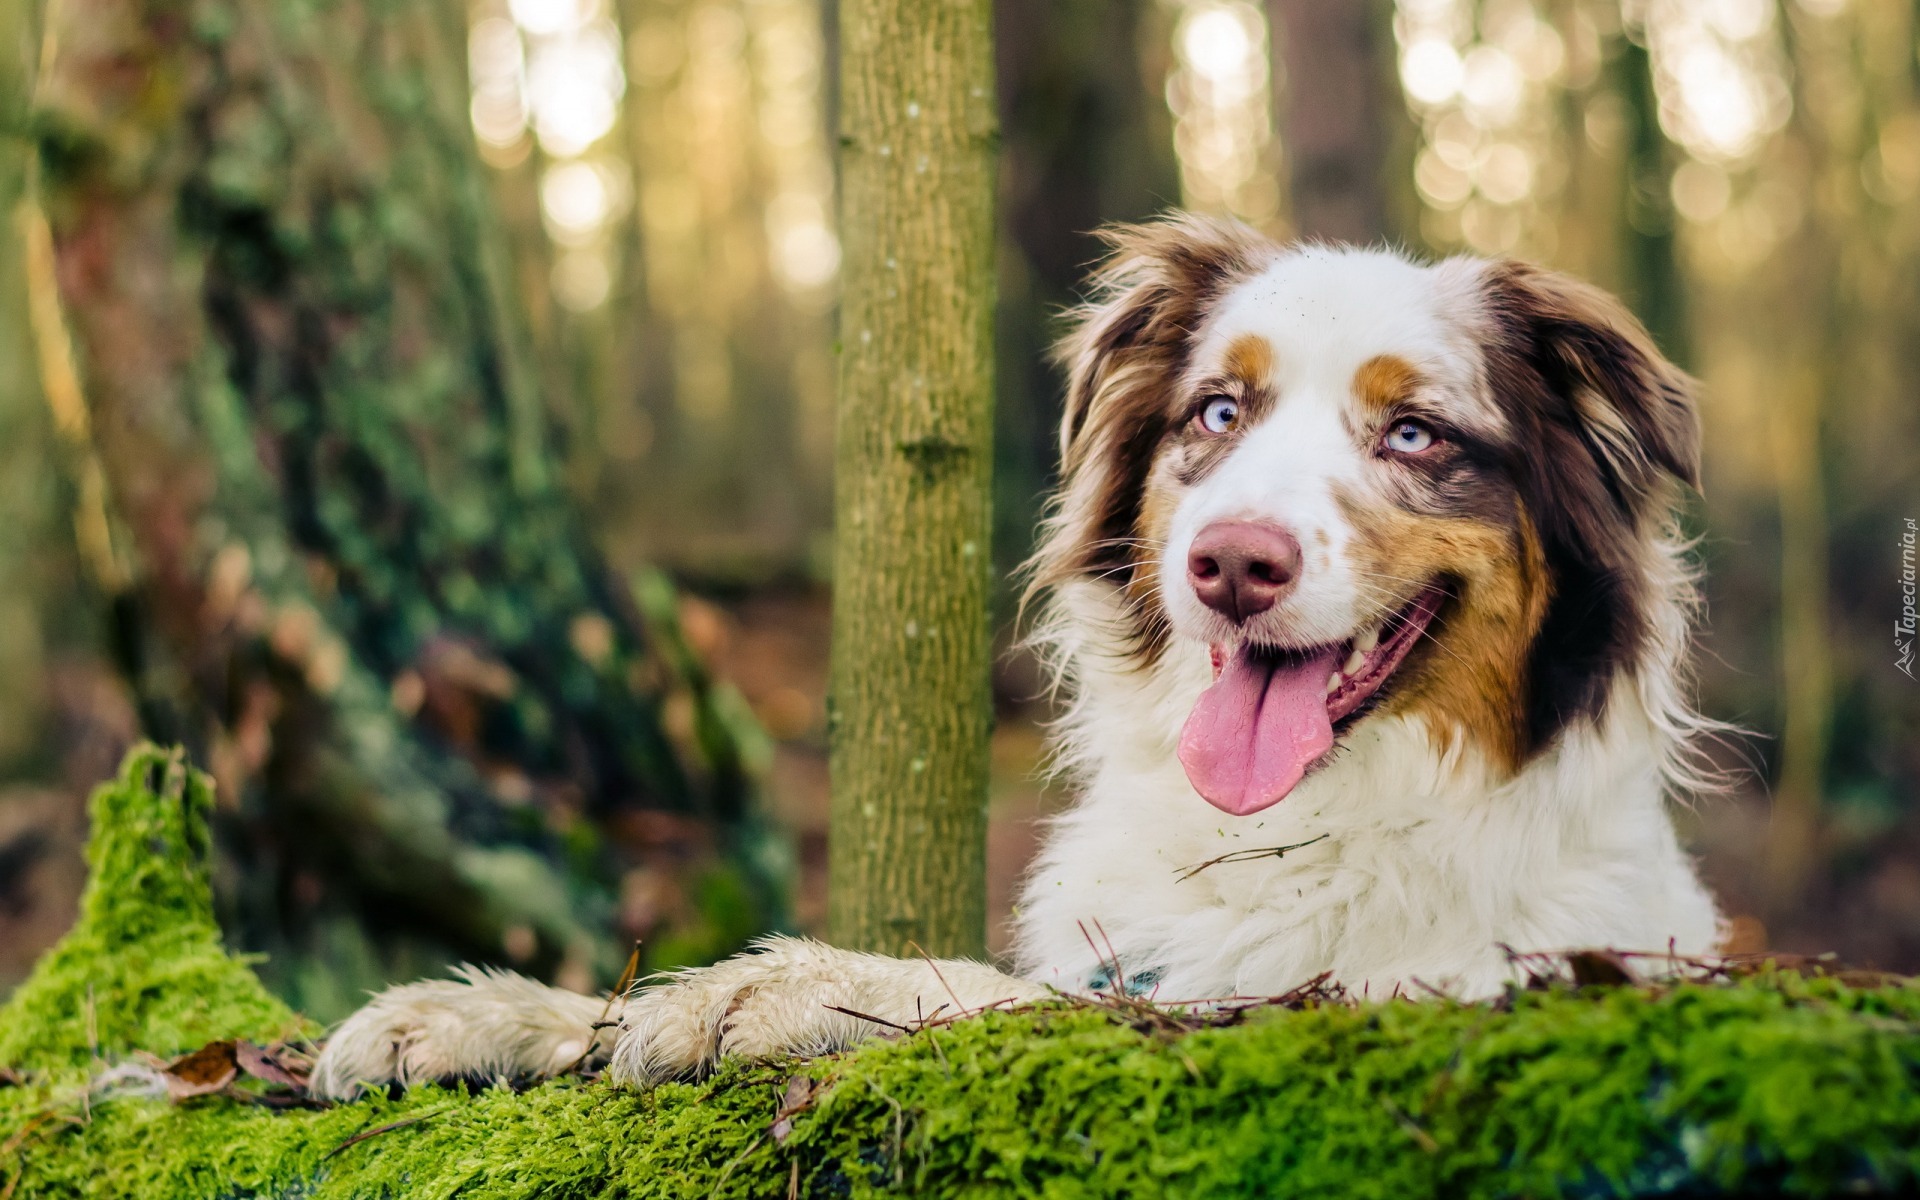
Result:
<point x="1651" y="282"/>
<point x="910" y="708"/>
<point x="353" y="584"/>
<point x="1336" y="107"/>
<point x="1087" y="140"/>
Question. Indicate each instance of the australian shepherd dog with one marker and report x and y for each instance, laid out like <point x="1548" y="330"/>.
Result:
<point x="1365" y="594"/>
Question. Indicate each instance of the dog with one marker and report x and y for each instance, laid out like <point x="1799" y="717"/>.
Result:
<point x="1364" y="589"/>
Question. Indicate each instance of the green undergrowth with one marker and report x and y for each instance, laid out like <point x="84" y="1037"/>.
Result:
<point x="1778" y="1084"/>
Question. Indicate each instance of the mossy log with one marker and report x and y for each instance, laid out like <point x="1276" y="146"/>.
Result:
<point x="1776" y="1085"/>
<point x="331" y="525"/>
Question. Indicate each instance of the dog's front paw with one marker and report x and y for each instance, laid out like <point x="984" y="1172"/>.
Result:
<point x="484" y="1025"/>
<point x="794" y="997"/>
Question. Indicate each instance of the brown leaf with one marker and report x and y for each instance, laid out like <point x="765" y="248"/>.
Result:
<point x="1599" y="968"/>
<point x="205" y="1071"/>
<point x="264" y="1062"/>
<point x="798" y="1096"/>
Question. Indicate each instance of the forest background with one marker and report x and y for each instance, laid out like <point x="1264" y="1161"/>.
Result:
<point x="518" y="653"/>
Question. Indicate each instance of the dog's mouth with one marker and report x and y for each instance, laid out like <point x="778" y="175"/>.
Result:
<point x="1271" y="714"/>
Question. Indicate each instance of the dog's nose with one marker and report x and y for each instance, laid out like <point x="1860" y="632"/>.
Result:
<point x="1240" y="568"/>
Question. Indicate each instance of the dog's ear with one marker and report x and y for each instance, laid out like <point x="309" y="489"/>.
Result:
<point x="1148" y="299"/>
<point x="1603" y="426"/>
<point x="1603" y="377"/>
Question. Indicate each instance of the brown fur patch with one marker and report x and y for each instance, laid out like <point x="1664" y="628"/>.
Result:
<point x="1382" y="382"/>
<point x="1250" y="360"/>
<point x="1469" y="679"/>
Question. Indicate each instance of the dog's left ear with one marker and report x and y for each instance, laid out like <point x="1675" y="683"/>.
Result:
<point x="1598" y="376"/>
<point x="1602" y="426"/>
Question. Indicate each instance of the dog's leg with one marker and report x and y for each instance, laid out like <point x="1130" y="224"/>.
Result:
<point x="484" y="1025"/>
<point x="791" y="996"/>
<point x="795" y="997"/>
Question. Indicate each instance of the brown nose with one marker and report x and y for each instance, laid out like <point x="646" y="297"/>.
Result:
<point x="1239" y="568"/>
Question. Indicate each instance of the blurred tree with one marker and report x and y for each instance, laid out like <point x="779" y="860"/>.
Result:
<point x="1087" y="141"/>
<point x="1335" y="83"/>
<point x="1650" y="280"/>
<point x="909" y="704"/>
<point x="342" y="566"/>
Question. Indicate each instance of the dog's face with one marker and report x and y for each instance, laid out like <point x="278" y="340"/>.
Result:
<point x="1368" y="486"/>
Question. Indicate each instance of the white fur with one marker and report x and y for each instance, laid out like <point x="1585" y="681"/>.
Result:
<point x="1431" y="863"/>
<point x="1425" y="865"/>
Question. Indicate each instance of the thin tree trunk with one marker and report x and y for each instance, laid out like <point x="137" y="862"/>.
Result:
<point x="1336" y="110"/>
<point x="356" y="587"/>
<point x="910" y="707"/>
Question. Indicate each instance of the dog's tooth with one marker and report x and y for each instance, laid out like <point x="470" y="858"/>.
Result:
<point x="1333" y="683"/>
<point x="1368" y="639"/>
<point x="1354" y="662"/>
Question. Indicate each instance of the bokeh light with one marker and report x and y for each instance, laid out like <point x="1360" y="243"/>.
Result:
<point x="1474" y="75"/>
<point x="1719" y="73"/>
<point x="545" y="18"/>
<point x="1221" y="98"/>
<point x="552" y="69"/>
<point x="574" y="85"/>
<point x="496" y="66"/>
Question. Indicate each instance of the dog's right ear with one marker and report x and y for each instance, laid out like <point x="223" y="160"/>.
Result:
<point x="1147" y="300"/>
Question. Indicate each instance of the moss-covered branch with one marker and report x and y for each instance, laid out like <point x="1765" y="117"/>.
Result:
<point x="1777" y="1085"/>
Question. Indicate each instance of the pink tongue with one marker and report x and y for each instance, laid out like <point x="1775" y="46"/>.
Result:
<point x="1257" y="729"/>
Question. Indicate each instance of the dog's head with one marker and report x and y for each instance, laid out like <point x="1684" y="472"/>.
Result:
<point x="1370" y="486"/>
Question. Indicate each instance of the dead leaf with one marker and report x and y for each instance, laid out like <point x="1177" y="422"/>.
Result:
<point x="202" y="1073"/>
<point x="1599" y="968"/>
<point x="265" y="1062"/>
<point x="796" y="1099"/>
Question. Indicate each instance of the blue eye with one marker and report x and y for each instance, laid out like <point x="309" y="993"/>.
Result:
<point x="1408" y="437"/>
<point x="1218" y="414"/>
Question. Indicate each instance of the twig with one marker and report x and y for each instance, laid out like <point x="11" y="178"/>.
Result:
<point x="868" y="1017"/>
<point x="619" y="990"/>
<point x="20" y="1138"/>
<point x="1249" y="855"/>
<point x="899" y="1132"/>
<point x="926" y="1023"/>
<point x="377" y="1130"/>
<point x="1419" y="1135"/>
<point x="1114" y="970"/>
<point x="1119" y="976"/>
<point x="935" y="968"/>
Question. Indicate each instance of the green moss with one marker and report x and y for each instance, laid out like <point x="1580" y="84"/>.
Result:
<point x="1775" y="1085"/>
<point x="143" y="968"/>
